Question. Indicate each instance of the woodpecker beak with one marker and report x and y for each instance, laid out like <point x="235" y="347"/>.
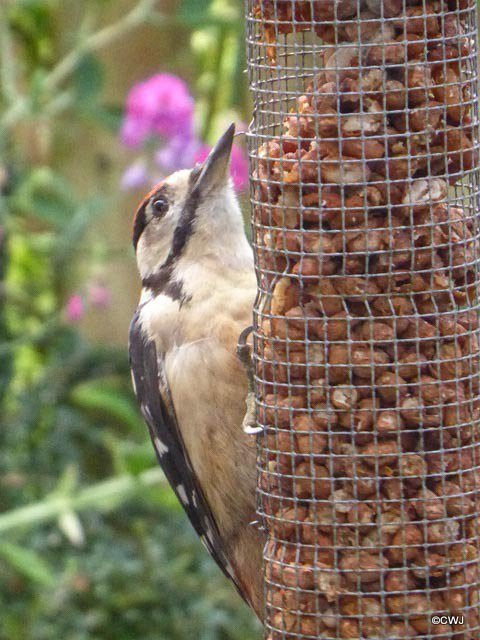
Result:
<point x="216" y="168"/>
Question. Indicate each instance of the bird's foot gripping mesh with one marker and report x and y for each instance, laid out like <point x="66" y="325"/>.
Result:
<point x="365" y="196"/>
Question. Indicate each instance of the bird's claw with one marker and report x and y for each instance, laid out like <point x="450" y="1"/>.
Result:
<point x="249" y="424"/>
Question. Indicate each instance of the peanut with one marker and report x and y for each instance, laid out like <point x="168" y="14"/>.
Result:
<point x="311" y="481"/>
<point x="405" y="545"/>
<point x="362" y="566"/>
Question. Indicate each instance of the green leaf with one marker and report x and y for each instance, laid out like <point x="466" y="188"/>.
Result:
<point x="194" y="9"/>
<point x="46" y="196"/>
<point x="76" y="227"/>
<point x="108" y="116"/>
<point x="36" y="89"/>
<point x="97" y="397"/>
<point x="67" y="483"/>
<point x="32" y="22"/>
<point x="28" y="563"/>
<point x="88" y="80"/>
<point x="132" y="457"/>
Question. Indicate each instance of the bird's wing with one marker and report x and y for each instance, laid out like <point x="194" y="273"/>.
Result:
<point x="153" y="393"/>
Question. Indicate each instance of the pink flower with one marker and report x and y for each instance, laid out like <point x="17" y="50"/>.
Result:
<point x="161" y="105"/>
<point x="239" y="168"/>
<point x="99" y="295"/>
<point x="238" y="165"/>
<point x="75" y="308"/>
<point x="202" y="153"/>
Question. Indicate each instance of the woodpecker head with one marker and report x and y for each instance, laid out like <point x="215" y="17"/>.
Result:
<point x="191" y="214"/>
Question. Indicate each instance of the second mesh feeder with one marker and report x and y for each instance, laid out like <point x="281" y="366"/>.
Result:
<point x="365" y="198"/>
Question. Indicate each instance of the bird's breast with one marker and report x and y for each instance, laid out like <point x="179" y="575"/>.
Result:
<point x="208" y="388"/>
<point x="208" y="385"/>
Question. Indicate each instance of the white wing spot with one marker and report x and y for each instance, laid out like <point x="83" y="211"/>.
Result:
<point x="147" y="414"/>
<point x="182" y="494"/>
<point x="161" y="448"/>
<point x="205" y="543"/>
<point x="209" y="532"/>
<point x="133" y="383"/>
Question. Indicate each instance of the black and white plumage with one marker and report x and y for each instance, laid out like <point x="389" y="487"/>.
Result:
<point x="153" y="394"/>
<point x="197" y="296"/>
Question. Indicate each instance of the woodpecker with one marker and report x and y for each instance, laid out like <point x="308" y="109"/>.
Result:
<point x="198" y="289"/>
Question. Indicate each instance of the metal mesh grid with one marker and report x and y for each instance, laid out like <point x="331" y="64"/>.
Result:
<point x="364" y="154"/>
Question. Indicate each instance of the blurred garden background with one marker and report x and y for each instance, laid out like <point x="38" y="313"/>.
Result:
<point x="98" y="100"/>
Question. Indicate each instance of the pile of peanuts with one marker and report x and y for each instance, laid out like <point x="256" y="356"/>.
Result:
<point x="368" y="352"/>
<point x="334" y="20"/>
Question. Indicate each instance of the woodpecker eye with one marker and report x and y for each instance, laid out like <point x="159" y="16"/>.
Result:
<point x="160" y="205"/>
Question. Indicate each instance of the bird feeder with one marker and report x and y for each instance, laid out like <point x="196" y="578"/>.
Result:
<point x="365" y="201"/>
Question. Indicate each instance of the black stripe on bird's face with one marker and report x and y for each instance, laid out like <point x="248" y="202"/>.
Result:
<point x="159" y="194"/>
<point x="204" y="179"/>
<point x="139" y="222"/>
<point x="184" y="228"/>
<point x="162" y="281"/>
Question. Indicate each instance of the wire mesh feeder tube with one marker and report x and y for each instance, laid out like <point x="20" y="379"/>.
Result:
<point x="364" y="152"/>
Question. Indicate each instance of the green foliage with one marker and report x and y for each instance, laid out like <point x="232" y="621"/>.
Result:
<point x="93" y="543"/>
<point x="141" y="578"/>
<point x="194" y="9"/>
<point x="27" y="563"/>
<point x="88" y="80"/>
<point x="31" y="21"/>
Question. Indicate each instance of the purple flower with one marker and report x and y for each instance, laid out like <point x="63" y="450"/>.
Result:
<point x="179" y="153"/>
<point x="99" y="295"/>
<point x="75" y="308"/>
<point x="161" y="105"/>
<point x="238" y="165"/>
<point x="135" y="176"/>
